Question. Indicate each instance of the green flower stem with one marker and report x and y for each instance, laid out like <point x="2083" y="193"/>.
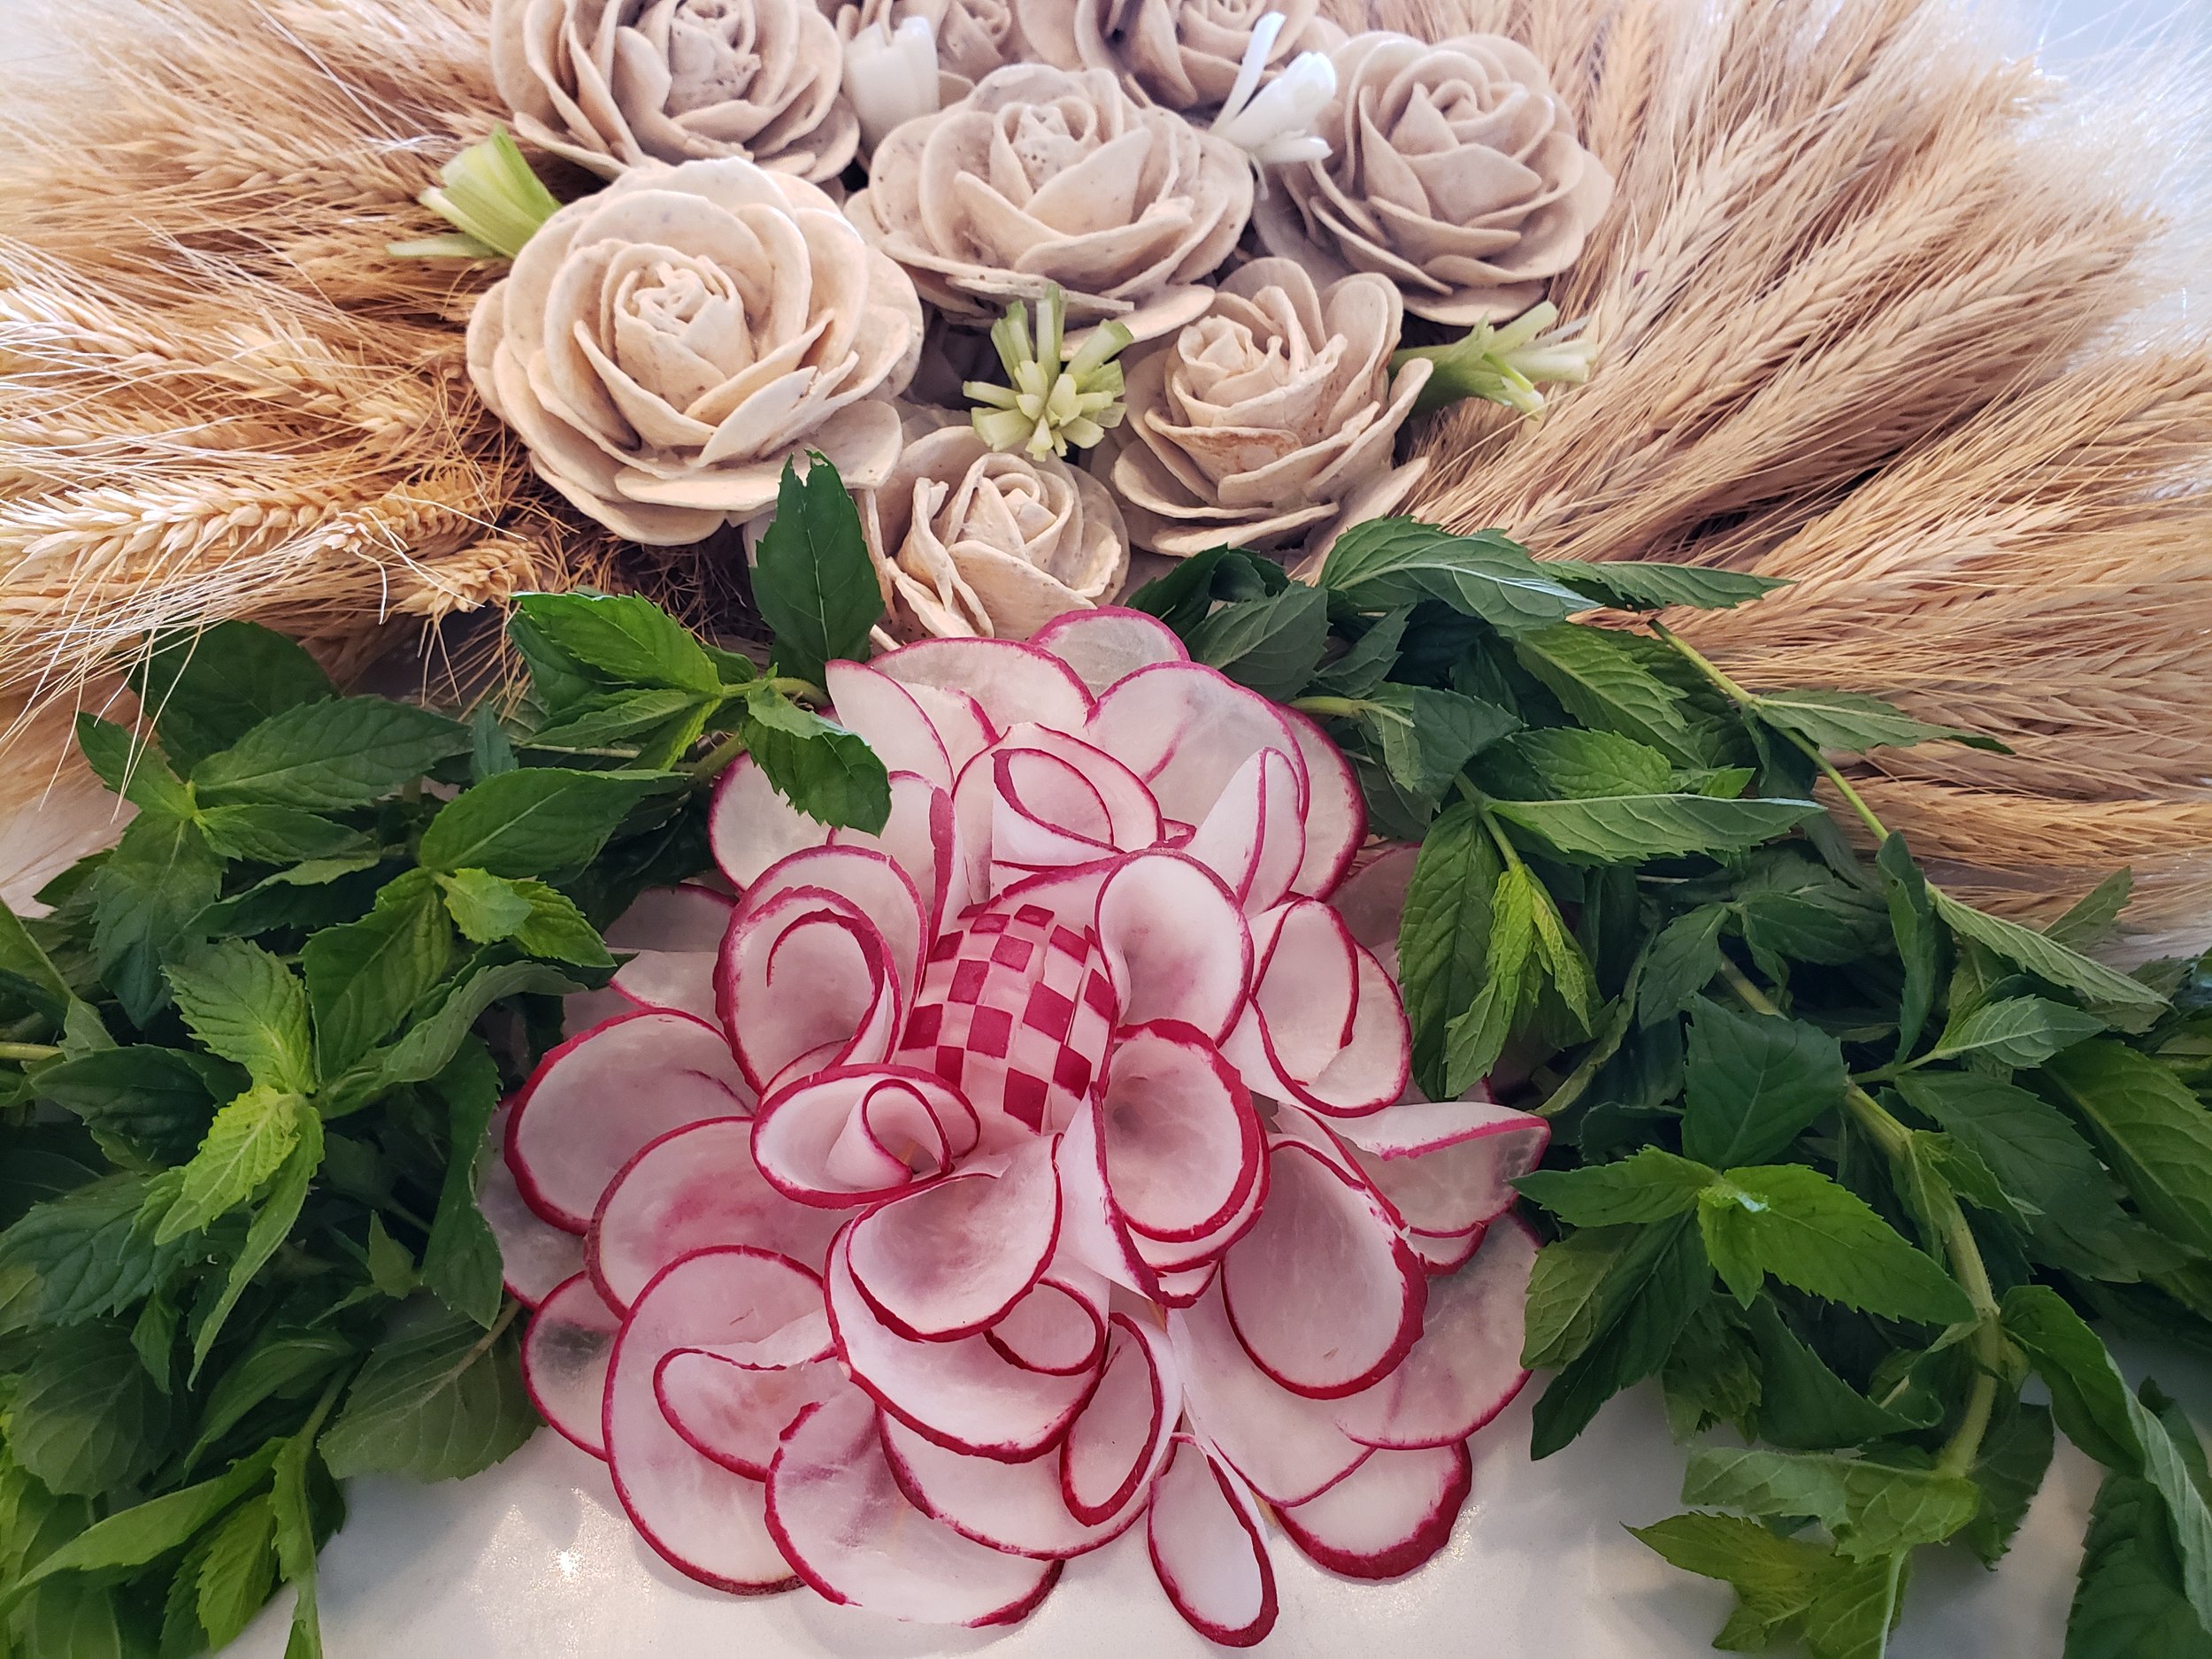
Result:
<point x="1500" y="365"/>
<point x="27" y="1052"/>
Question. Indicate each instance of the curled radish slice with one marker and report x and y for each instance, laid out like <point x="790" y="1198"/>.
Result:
<point x="1013" y="1507"/>
<point x="1323" y="1293"/>
<point x="870" y="883"/>
<point x="1255" y="837"/>
<point x="1055" y="803"/>
<point x="920" y="838"/>
<point x="692" y="1189"/>
<point x="1325" y="1026"/>
<point x="1108" y="643"/>
<point x="962" y="726"/>
<point x="1389" y="1516"/>
<point x="1009" y="682"/>
<point x="1372" y="901"/>
<point x="705" y="1519"/>
<point x="1052" y="1329"/>
<point x="1175" y="943"/>
<point x="1466" y="1367"/>
<point x="954" y="1256"/>
<point x="884" y="714"/>
<point x="805" y="982"/>
<point x="1208" y="1548"/>
<point x="535" y="1257"/>
<point x="750" y="826"/>
<point x="963" y="1394"/>
<point x="1444" y="1252"/>
<point x="1116" y="1444"/>
<point x="565" y="1353"/>
<point x="1092" y="1230"/>
<point x="1289" y="1447"/>
<point x="1336" y="811"/>
<point x="1448" y="1166"/>
<point x="597" y="1098"/>
<point x="735" y="1414"/>
<point x="1183" y="1145"/>
<point x="1186" y="730"/>
<point x="853" y="1135"/>
<point x="677" y="932"/>
<point x="842" y="1522"/>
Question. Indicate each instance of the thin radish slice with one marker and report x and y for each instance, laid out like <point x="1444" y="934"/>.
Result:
<point x="884" y="714"/>
<point x="1009" y="682"/>
<point x="734" y="1415"/>
<point x="1389" y="1516"/>
<point x="597" y="1098"/>
<point x="1054" y="802"/>
<point x="677" y="932"/>
<point x="535" y="1257"/>
<point x="1052" y="1330"/>
<point x="1444" y="1252"/>
<point x="1113" y="1448"/>
<point x="1467" y="1365"/>
<point x="1323" y="1293"/>
<point x="696" y="1188"/>
<point x="1373" y="901"/>
<point x="1011" y="1507"/>
<point x="1325" y="1026"/>
<point x="1182" y="1289"/>
<point x="1336" y="811"/>
<point x="963" y="1394"/>
<point x="565" y="1353"/>
<point x="1175" y="943"/>
<point x="1447" y="1167"/>
<point x="954" y="1256"/>
<point x="962" y="726"/>
<point x="703" y="1518"/>
<point x="1209" y="1548"/>
<point x="749" y="826"/>
<point x="920" y="838"/>
<point x="1255" y="837"/>
<point x="1068" y="896"/>
<point x="669" y="981"/>
<point x="806" y="983"/>
<point x="1185" y="730"/>
<point x="1092" y="1230"/>
<point x="1108" y="643"/>
<point x="868" y="880"/>
<point x="1288" y="1447"/>
<point x="853" y="1135"/>
<point x="1184" y="1146"/>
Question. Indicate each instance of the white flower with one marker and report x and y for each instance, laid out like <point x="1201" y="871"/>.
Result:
<point x="891" y="75"/>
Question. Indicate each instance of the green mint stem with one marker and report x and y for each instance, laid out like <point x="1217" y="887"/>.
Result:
<point x="27" y="1051"/>
<point x="716" y="760"/>
<point x="1332" y="708"/>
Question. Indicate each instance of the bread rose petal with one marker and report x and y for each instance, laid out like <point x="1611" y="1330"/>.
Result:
<point x="1179" y="54"/>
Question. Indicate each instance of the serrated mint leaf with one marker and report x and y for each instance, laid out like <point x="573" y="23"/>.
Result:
<point x="1684" y="955"/>
<point x="1647" y="1296"/>
<point x="541" y="919"/>
<point x="2016" y="1030"/>
<point x="1647" y="585"/>
<point x="430" y="1044"/>
<point x="1271" y="645"/>
<point x="484" y="907"/>
<point x="1651" y="1186"/>
<point x="1369" y="659"/>
<point x="824" y="771"/>
<point x="650" y="728"/>
<point x="1567" y="1305"/>
<point x="2129" y="1603"/>
<point x="1803" y="1405"/>
<point x="631" y="641"/>
<point x="1227" y="575"/>
<point x="1873" y="1509"/>
<point x="526" y="823"/>
<point x="346" y="751"/>
<point x="1919" y="939"/>
<point x="2090" y="921"/>
<point x="490" y="751"/>
<point x="138" y="772"/>
<point x="146" y="897"/>
<point x="1473" y="1040"/>
<point x="442" y="1402"/>
<point x="275" y="834"/>
<point x="80" y="1256"/>
<point x="364" y="976"/>
<point x="1790" y="907"/>
<point x="812" y="580"/>
<point x="1600" y="681"/>
<point x="87" y="1418"/>
<point x="1847" y="720"/>
<point x="1776" y="1580"/>
<point x="2045" y="956"/>
<point x="1387" y="563"/>
<point x="1754" y="1084"/>
<point x="2153" y="1132"/>
<point x="2015" y="1455"/>
<point x="248" y="1140"/>
<point x="1565" y="760"/>
<point x="1444" y="933"/>
<point x="205" y="688"/>
<point x="461" y="1263"/>
<point x="1798" y="1225"/>
<point x="24" y="960"/>
<point x="237" y="1570"/>
<point x="284" y="1361"/>
<point x="1426" y="736"/>
<point x="1624" y="828"/>
<point x="244" y="1004"/>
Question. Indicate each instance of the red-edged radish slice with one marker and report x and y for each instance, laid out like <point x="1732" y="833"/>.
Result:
<point x="535" y="1257"/>
<point x="1053" y="1329"/>
<point x="964" y="1394"/>
<point x="565" y="1353"/>
<point x="1182" y="1289"/>
<point x="1108" y="643"/>
<point x="920" y="838"/>
<point x="749" y="826"/>
<point x="1389" y="1516"/>
<point x="1209" y="1548"/>
<point x="1185" y="730"/>
<point x="1448" y="1166"/>
<point x="1323" y="1293"/>
<point x="949" y="1258"/>
<point x="677" y="932"/>
<point x="1009" y="682"/>
<point x="1336" y="812"/>
<point x="870" y="883"/>
<point x="1116" y="1444"/>
<point x="1255" y="837"/>
<point x="1288" y="1448"/>
<point x="962" y="726"/>
<point x="597" y="1098"/>
<point x="1175" y="943"/>
<point x="842" y="1522"/>
<point x="1184" y="1146"/>
<point x="696" y="1188"/>
<point x="703" y="1518"/>
<point x="885" y="715"/>
<point x="1011" y="1507"/>
<point x="735" y="1414"/>
<point x="1444" y="1252"/>
<point x="1371" y="899"/>
<point x="855" y="1134"/>
<point x="1467" y="1365"/>
<point x="1092" y="1230"/>
<point x="1325" y="1026"/>
<point x="806" y="983"/>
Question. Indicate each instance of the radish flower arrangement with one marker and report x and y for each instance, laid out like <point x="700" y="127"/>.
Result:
<point x="960" y="1196"/>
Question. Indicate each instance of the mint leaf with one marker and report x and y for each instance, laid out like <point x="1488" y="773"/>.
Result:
<point x="430" y="1044"/>
<point x="490" y="753"/>
<point x="654" y="727"/>
<point x="1846" y="720"/>
<point x="2129" y="1603"/>
<point x="245" y="1144"/>
<point x="137" y="772"/>
<point x="461" y="1263"/>
<point x="1426" y="735"/>
<point x="1565" y="760"/>
<point x="346" y="751"/>
<point x="2090" y="920"/>
<point x="146" y="896"/>
<point x="827" y="771"/>
<point x="1368" y="661"/>
<point x="812" y="579"/>
<point x="1776" y="1580"/>
<point x="1684" y="955"/>
<point x="1387" y="563"/>
<point x="1647" y="585"/>
<point x="1649" y="1292"/>
<point x="1567" y="1303"/>
<point x="87" y="1418"/>
<point x="272" y="1225"/>
<point x="24" y="961"/>
<point x="2015" y="1456"/>
<point x="206" y="688"/>
<point x="484" y="907"/>
<point x="275" y="834"/>
<point x="154" y="1102"/>
<point x="1650" y="1186"/>
<point x="1627" y="828"/>
<point x="285" y="1362"/>
<point x="1919" y="939"/>
<point x="82" y="1256"/>
<point x="1444" y="934"/>
<point x="1873" y="1509"/>
<point x="2154" y="1134"/>
<point x="1803" y="1405"/>
<point x="296" y="1545"/>
<point x="443" y="1402"/>
<point x="237" y="1570"/>
<point x="2045" y="956"/>
<point x="246" y="1006"/>
<point x="1792" y="907"/>
<point x="363" y="977"/>
<point x="1271" y="645"/>
<point x="2016" y="1030"/>
<point x="1600" y="681"/>
<point x="1797" y="1224"/>
<point x="630" y="641"/>
<point x="526" y="823"/>
<point x="1474" y="1039"/>
<point x="1754" y="1084"/>
<point x="1188" y="592"/>
<point x="542" y="920"/>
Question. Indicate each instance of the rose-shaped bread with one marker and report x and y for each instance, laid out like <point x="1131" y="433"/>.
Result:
<point x="1045" y="175"/>
<point x="1454" y="170"/>
<point x="1268" y="423"/>
<point x="1182" y="54"/>
<point x="662" y="347"/>
<point x="613" y="84"/>
<point x="974" y="37"/>
<point x="970" y="540"/>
